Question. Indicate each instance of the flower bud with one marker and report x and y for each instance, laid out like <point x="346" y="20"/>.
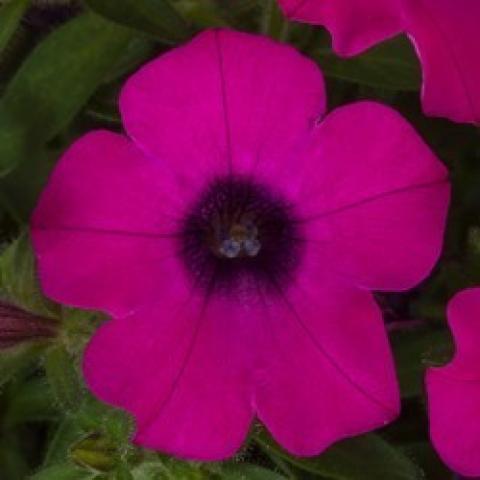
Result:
<point x="96" y="452"/>
<point x="18" y="326"/>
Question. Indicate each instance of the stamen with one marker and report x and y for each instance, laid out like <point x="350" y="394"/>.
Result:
<point x="252" y="247"/>
<point x="230" y="248"/>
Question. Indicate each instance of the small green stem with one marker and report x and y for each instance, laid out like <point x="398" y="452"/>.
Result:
<point x="285" y="31"/>
<point x="266" y="20"/>
<point x="273" y="22"/>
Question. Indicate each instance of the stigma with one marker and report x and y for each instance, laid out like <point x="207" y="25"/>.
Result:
<point x="241" y="241"/>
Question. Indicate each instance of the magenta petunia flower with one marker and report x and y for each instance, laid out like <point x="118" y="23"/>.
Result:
<point x="235" y="235"/>
<point x="454" y="390"/>
<point x="445" y="34"/>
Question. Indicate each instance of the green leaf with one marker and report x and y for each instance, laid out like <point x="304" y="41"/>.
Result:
<point x="10" y="15"/>
<point x="414" y="350"/>
<point x="63" y="377"/>
<point x="15" y="360"/>
<point x="63" y="472"/>
<point x="186" y="470"/>
<point x="249" y="472"/>
<point x="273" y="21"/>
<point x="13" y="463"/>
<point x="122" y="472"/>
<point x="391" y="65"/>
<point x="366" y="457"/>
<point x="18" y="279"/>
<point x="94" y="416"/>
<point x="151" y="470"/>
<point x="169" y="469"/>
<point x="78" y="326"/>
<point x="54" y="83"/>
<point x="202" y="14"/>
<point x="155" y="17"/>
<point x="19" y="189"/>
<point x="138" y="51"/>
<point x="66" y="434"/>
<point x="424" y="455"/>
<point x="31" y="402"/>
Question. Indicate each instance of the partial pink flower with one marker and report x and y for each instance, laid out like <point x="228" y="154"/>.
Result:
<point x="355" y="25"/>
<point x="445" y="34"/>
<point x="454" y="390"/>
<point x="234" y="236"/>
<point x="447" y="39"/>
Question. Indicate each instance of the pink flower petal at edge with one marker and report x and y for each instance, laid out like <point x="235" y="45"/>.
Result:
<point x="102" y="229"/>
<point x="374" y="198"/>
<point x="454" y="390"/>
<point x="223" y="102"/>
<point x="355" y="25"/>
<point x="447" y="39"/>
<point x="184" y="369"/>
<point x="328" y="370"/>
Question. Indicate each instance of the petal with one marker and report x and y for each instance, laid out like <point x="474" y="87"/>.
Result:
<point x="328" y="370"/>
<point x="374" y="198"/>
<point x="355" y="25"/>
<point x="183" y="369"/>
<point x="113" y="273"/>
<point x="104" y="226"/>
<point x="454" y="390"/>
<point x="463" y="318"/>
<point x="453" y="413"/>
<point x="447" y="39"/>
<point x="222" y="103"/>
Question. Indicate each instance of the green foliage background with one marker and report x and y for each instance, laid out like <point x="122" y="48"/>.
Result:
<point x="61" y="66"/>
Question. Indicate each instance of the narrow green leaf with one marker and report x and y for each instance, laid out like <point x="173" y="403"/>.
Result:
<point x="63" y="377"/>
<point x="155" y="17"/>
<point x="391" y="65"/>
<point x="54" y="83"/>
<point x="366" y="457"/>
<point x="10" y="15"/>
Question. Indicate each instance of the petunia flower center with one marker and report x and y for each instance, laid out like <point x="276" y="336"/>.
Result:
<point x="239" y="230"/>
